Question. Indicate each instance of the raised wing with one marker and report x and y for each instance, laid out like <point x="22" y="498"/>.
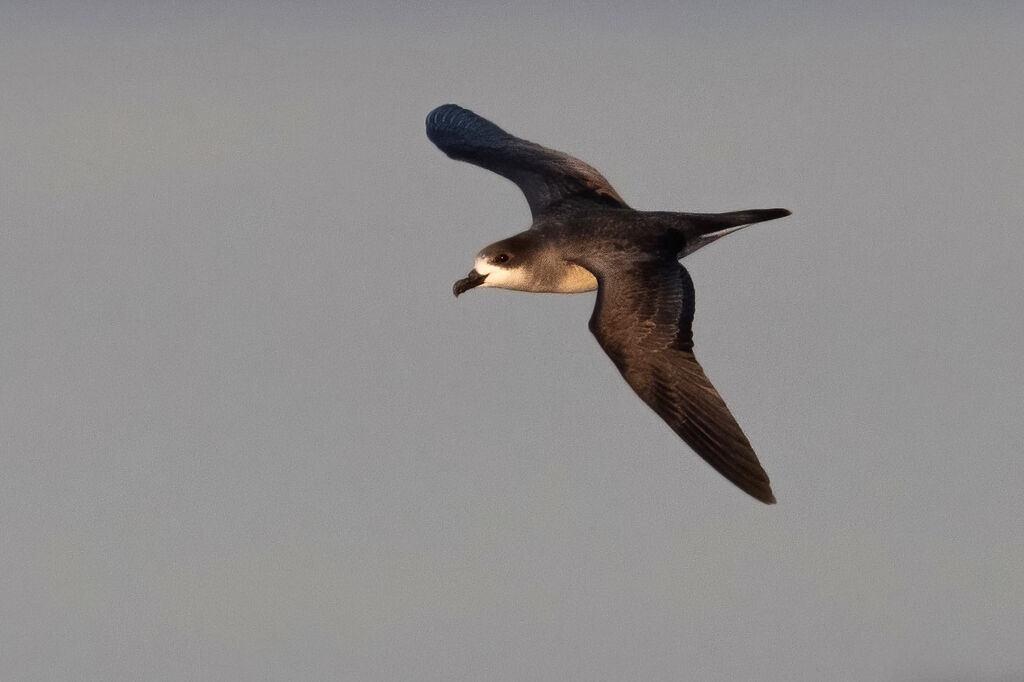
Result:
<point x="643" y="321"/>
<point x="547" y="177"/>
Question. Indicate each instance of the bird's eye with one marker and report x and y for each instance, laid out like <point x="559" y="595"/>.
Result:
<point x="500" y="258"/>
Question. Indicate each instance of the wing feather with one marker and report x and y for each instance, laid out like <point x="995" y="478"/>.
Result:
<point x="545" y="176"/>
<point x="643" y="320"/>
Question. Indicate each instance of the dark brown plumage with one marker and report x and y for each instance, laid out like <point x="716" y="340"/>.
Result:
<point x="584" y="235"/>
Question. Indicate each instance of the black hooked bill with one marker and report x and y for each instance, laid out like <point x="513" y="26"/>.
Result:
<point x="474" y="279"/>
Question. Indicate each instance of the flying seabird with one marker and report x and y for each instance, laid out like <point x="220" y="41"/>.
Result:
<point x="585" y="237"/>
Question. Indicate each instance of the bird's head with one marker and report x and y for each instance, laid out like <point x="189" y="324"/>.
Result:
<point x="504" y="264"/>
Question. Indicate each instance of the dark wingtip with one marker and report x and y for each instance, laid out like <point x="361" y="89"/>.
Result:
<point x="446" y="118"/>
<point x="441" y="112"/>
<point x="438" y="118"/>
<point x="760" y="490"/>
<point x="461" y="133"/>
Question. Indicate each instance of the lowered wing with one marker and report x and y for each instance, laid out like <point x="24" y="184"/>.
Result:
<point x="642" y="320"/>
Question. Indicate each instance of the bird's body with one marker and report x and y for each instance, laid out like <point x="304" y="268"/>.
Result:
<point x="585" y="237"/>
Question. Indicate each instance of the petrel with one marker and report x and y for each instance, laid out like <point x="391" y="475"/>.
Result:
<point x="585" y="237"/>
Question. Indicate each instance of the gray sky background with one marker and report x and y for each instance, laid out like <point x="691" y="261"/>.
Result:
<point x="247" y="432"/>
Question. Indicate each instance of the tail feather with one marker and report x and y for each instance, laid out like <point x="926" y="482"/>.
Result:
<point x="703" y="228"/>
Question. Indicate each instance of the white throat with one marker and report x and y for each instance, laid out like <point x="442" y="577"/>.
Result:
<point x="503" y="278"/>
<point x="570" y="279"/>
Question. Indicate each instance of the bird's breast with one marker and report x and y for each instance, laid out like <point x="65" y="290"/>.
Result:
<point x="575" y="280"/>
